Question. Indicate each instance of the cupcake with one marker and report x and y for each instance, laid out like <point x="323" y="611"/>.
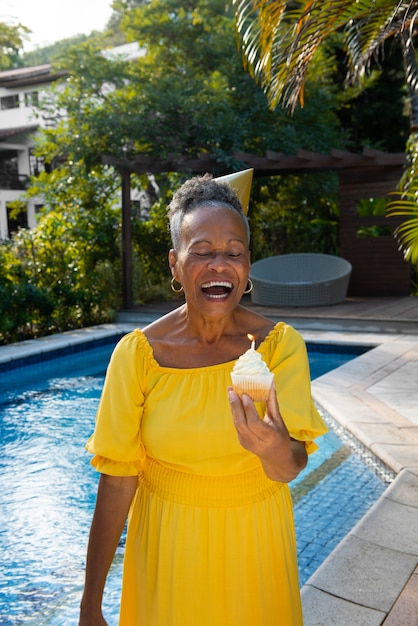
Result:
<point x="250" y="375"/>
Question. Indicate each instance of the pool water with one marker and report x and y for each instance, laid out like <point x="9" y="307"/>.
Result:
<point x="47" y="410"/>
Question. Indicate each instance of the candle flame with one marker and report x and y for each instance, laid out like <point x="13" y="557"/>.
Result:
<point x="251" y="337"/>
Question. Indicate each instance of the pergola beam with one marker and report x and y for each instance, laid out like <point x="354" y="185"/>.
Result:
<point x="358" y="168"/>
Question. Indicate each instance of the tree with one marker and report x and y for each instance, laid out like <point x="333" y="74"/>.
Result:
<point x="11" y="42"/>
<point x="188" y="94"/>
<point x="279" y="41"/>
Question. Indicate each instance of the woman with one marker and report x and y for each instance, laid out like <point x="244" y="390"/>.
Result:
<point x="210" y="536"/>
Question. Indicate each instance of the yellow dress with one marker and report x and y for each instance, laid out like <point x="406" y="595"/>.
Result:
<point x="210" y="539"/>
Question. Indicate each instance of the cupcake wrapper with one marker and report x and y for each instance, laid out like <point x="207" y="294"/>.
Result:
<point x="256" y="387"/>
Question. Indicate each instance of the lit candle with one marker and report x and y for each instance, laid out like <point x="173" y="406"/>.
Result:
<point x="252" y="339"/>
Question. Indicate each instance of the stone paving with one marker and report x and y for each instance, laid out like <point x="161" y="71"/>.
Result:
<point x="330" y="509"/>
<point x="371" y="578"/>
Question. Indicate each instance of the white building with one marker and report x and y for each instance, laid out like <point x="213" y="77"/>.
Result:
<point x="20" y="91"/>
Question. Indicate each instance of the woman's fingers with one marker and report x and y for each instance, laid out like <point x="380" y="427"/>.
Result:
<point x="253" y="432"/>
<point x="238" y="413"/>
<point x="243" y="410"/>
<point x="272" y="406"/>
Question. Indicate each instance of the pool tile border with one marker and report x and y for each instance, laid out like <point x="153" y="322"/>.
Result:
<point x="34" y="350"/>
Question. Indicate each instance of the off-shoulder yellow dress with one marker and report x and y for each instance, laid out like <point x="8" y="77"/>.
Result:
<point x="210" y="539"/>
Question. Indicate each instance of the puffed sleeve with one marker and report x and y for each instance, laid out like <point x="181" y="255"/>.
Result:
<point x="116" y="441"/>
<point x="286" y="356"/>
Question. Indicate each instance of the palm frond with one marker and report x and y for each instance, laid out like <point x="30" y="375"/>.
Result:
<point x="256" y="23"/>
<point x="364" y="37"/>
<point x="278" y="43"/>
<point x="405" y="203"/>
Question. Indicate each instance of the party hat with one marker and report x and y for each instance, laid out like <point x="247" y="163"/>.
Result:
<point x="241" y="184"/>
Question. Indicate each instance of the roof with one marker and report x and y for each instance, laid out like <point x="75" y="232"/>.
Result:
<point x="125" y="52"/>
<point x="38" y="74"/>
<point x="10" y="132"/>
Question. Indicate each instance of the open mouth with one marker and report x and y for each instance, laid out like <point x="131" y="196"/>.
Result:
<point x="217" y="289"/>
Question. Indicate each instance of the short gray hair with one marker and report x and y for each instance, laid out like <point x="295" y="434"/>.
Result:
<point x="202" y="191"/>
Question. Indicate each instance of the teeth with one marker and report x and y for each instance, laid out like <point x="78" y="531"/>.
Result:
<point x="214" y="283"/>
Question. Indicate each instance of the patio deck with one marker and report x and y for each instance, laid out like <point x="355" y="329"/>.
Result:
<point x="378" y="315"/>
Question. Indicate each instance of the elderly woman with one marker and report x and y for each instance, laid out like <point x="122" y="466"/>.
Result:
<point x="203" y="476"/>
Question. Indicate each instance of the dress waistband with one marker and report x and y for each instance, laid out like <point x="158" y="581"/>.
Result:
<point x="201" y="490"/>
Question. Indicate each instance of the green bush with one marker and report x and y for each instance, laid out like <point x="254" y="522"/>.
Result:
<point x="63" y="274"/>
<point x="67" y="272"/>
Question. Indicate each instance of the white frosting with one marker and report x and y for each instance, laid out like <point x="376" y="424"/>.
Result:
<point x="251" y="364"/>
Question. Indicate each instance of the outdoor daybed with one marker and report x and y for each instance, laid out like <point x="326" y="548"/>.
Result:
<point x="303" y="279"/>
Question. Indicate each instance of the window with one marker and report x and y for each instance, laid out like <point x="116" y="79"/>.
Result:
<point x="9" y="102"/>
<point x="9" y="172"/>
<point x="36" y="164"/>
<point x="31" y="99"/>
<point x="16" y="218"/>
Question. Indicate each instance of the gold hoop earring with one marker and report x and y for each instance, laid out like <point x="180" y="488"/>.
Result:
<point x="250" y="286"/>
<point x="173" y="280"/>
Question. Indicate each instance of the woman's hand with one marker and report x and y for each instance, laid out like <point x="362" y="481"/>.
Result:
<point x="282" y="457"/>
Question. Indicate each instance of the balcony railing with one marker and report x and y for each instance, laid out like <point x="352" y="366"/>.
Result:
<point x="13" y="181"/>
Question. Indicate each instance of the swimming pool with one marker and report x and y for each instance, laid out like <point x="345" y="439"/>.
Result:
<point x="47" y="411"/>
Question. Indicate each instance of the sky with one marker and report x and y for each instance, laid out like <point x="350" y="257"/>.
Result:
<point x="52" y="20"/>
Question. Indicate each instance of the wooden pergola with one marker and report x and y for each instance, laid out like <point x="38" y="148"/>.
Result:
<point x="378" y="266"/>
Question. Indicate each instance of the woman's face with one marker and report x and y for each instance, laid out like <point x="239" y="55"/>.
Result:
<point x="212" y="261"/>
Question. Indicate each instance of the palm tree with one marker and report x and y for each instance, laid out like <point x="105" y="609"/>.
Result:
<point x="279" y="40"/>
<point x="405" y="203"/>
